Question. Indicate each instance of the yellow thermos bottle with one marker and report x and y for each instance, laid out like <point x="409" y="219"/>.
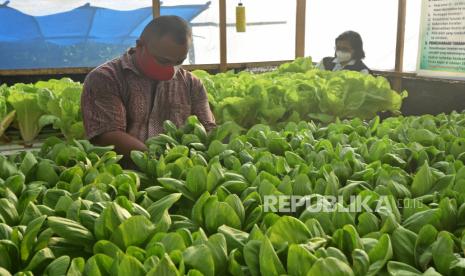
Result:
<point x="240" y="18"/>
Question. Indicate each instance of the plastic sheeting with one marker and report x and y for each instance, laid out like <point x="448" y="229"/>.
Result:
<point x="83" y="37"/>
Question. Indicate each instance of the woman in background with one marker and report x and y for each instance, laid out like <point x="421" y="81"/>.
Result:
<point x="348" y="56"/>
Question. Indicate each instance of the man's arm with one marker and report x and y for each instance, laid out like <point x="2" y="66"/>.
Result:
<point x="200" y="105"/>
<point x="123" y="142"/>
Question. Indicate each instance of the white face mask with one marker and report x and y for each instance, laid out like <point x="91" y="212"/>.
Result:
<point x="343" y="56"/>
<point x="176" y="69"/>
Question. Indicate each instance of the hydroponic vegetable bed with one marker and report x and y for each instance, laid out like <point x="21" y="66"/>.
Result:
<point x="268" y="192"/>
<point x="295" y="91"/>
<point x="201" y="205"/>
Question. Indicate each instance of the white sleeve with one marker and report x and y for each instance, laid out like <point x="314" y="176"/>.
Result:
<point x="321" y="65"/>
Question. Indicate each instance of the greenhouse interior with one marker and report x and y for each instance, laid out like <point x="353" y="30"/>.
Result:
<point x="232" y="137"/>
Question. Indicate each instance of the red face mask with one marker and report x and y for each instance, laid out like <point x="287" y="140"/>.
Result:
<point x="151" y="68"/>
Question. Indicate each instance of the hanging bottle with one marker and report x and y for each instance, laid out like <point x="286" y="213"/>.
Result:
<point x="240" y="18"/>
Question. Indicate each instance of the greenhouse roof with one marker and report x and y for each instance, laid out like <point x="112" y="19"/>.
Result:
<point x="102" y="31"/>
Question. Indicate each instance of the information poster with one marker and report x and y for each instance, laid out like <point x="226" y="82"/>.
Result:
<point x="442" y="39"/>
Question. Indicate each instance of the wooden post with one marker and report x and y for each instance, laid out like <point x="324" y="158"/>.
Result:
<point x="397" y="84"/>
<point x="155" y="8"/>
<point x="300" y="28"/>
<point x="223" y="37"/>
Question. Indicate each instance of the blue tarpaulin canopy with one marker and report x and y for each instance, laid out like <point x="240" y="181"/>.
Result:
<point x="83" y="37"/>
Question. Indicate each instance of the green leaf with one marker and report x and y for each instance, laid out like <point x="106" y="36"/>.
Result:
<point x="196" y="180"/>
<point x="401" y="269"/>
<point x="134" y="231"/>
<point x="15" y="183"/>
<point x="61" y="246"/>
<point x="418" y="220"/>
<point x="52" y="196"/>
<point x="27" y="244"/>
<point x="330" y="266"/>
<point x="5" y="231"/>
<point x="108" y="248"/>
<point x="331" y="252"/>
<point x="288" y="230"/>
<point x="151" y="262"/>
<point x="380" y="254"/>
<point x="9" y="253"/>
<point x="194" y="272"/>
<point x="293" y="159"/>
<point x="367" y="223"/>
<point x="215" y="148"/>
<point x="140" y="159"/>
<point x="6" y="118"/>
<point x="63" y="205"/>
<point x="58" y="266"/>
<point x="234" y="267"/>
<point x="27" y="273"/>
<point x="218" y="213"/>
<point x="360" y="262"/>
<point x="46" y="172"/>
<point x="315" y="228"/>
<point x="28" y="113"/>
<point x="214" y="176"/>
<point x="29" y="161"/>
<point x="269" y="261"/>
<point x="98" y="265"/>
<point x="4" y="272"/>
<point x="218" y="247"/>
<point x="164" y="267"/>
<point x="251" y="256"/>
<point x="423" y="245"/>
<point x="302" y="185"/>
<point x="158" y="208"/>
<point x="235" y="202"/>
<point x="341" y="216"/>
<point x="431" y="272"/>
<point x="200" y="257"/>
<point x="8" y="212"/>
<point x="411" y="207"/>
<point x="176" y="185"/>
<point x="7" y="168"/>
<point x="138" y="253"/>
<point x="448" y="219"/>
<point x="170" y="241"/>
<point x="40" y="260"/>
<point x="254" y="217"/>
<point x="299" y="260"/>
<point x="235" y="239"/>
<point x="129" y="265"/>
<point x="347" y="239"/>
<point x="423" y="181"/>
<point x="249" y="171"/>
<point x="112" y="216"/>
<point x="45" y="240"/>
<point x="71" y="230"/>
<point x="197" y="210"/>
<point x="30" y="213"/>
<point x="443" y="253"/>
<point x="403" y="241"/>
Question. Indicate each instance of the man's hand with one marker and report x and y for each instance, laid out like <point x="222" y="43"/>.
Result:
<point x="124" y="144"/>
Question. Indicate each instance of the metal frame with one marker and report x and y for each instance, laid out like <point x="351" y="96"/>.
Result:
<point x="397" y="74"/>
<point x="223" y="66"/>
<point x="156" y="8"/>
<point x="300" y="28"/>
<point x="400" y="43"/>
